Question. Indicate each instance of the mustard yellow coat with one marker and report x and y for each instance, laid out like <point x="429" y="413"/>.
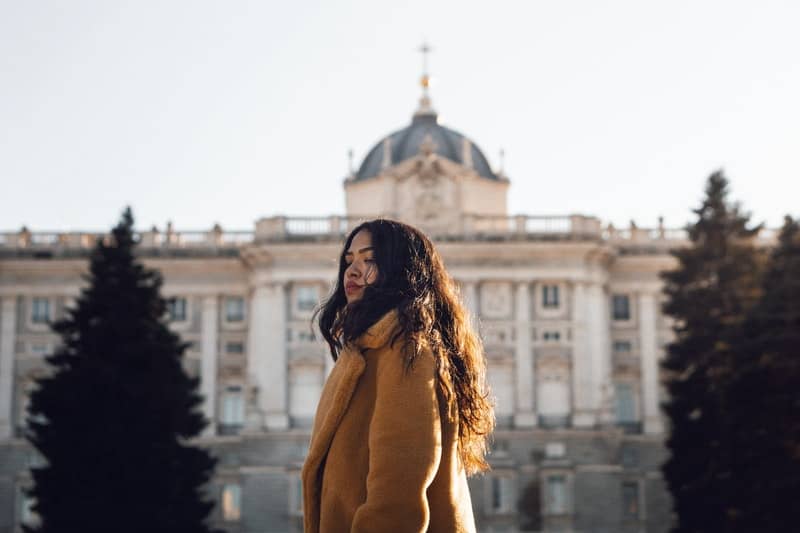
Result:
<point x="384" y="449"/>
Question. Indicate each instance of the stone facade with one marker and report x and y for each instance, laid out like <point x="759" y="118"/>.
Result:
<point x="569" y="312"/>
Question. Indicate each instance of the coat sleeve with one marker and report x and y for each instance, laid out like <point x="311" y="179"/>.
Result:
<point x="405" y="446"/>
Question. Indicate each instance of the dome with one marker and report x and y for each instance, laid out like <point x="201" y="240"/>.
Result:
<point x="409" y="141"/>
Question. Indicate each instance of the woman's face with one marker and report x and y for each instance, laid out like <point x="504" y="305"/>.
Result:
<point x="362" y="270"/>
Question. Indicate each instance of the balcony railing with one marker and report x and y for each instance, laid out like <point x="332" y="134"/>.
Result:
<point x="334" y="228"/>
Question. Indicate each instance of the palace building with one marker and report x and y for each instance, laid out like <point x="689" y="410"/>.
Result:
<point x="569" y="310"/>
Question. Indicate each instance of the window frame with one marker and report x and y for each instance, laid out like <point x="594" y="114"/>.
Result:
<point x="639" y="516"/>
<point x="295" y="500"/>
<point x="627" y="352"/>
<point x="543" y="290"/>
<point x="187" y="319"/>
<point x="500" y="478"/>
<point x="23" y="510"/>
<point x="551" y="299"/>
<point x="633" y="425"/>
<point x="232" y="391"/>
<point x="222" y="504"/>
<point x="547" y="508"/>
<point x="226" y="318"/>
<point x="297" y="289"/>
<point x="226" y="343"/>
<point x="629" y="308"/>
<point x="51" y="307"/>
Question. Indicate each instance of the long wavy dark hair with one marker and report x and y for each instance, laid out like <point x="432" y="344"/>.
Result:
<point x="412" y="279"/>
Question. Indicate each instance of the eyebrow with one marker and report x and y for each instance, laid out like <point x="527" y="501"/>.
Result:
<point x="361" y="251"/>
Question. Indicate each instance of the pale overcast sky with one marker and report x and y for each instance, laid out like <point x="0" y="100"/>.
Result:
<point x="201" y="112"/>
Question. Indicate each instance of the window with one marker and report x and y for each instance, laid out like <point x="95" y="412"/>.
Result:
<point x="501" y="497"/>
<point x="231" y="502"/>
<point x="176" y="307"/>
<point x="550" y="296"/>
<point x="552" y="336"/>
<point x="295" y="495"/>
<point x="630" y="457"/>
<point x="626" y="403"/>
<point x="552" y="397"/>
<point x="234" y="347"/>
<point x="25" y="504"/>
<point x="621" y="307"/>
<point x="622" y="347"/>
<point x="555" y="450"/>
<point x="307" y="297"/>
<point x="40" y="348"/>
<point x="305" y="335"/>
<point x="232" y="406"/>
<point x="40" y="310"/>
<point x="556" y="494"/>
<point x="234" y="309"/>
<point x="630" y="499"/>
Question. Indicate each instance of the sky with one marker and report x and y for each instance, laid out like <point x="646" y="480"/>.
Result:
<point x="202" y="112"/>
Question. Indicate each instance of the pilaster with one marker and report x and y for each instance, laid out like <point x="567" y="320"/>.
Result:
<point x="583" y="390"/>
<point x="266" y="364"/>
<point x="600" y="346"/>
<point x="524" y="415"/>
<point x="8" y="325"/>
<point x="648" y="343"/>
<point x="209" y="356"/>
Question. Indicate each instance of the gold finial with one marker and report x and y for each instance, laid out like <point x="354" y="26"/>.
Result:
<point x="425" y="108"/>
<point x="425" y="80"/>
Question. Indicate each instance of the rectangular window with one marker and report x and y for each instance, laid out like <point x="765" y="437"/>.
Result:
<point x="295" y="495"/>
<point x="27" y="515"/>
<point x="552" y="336"/>
<point x="234" y="309"/>
<point x="234" y="347"/>
<point x="500" y="493"/>
<point x="40" y="348"/>
<point x="550" y="296"/>
<point x="626" y="403"/>
<point x="556" y="495"/>
<point x="40" y="310"/>
<point x="497" y="494"/>
<point x="621" y="307"/>
<point x="630" y="499"/>
<point x="622" y="347"/>
<point x="176" y="307"/>
<point x="231" y="502"/>
<point x="232" y="406"/>
<point x="307" y="297"/>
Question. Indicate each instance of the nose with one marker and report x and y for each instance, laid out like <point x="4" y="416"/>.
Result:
<point x="352" y="271"/>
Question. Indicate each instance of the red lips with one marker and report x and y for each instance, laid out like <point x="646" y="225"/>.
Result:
<point x="351" y="286"/>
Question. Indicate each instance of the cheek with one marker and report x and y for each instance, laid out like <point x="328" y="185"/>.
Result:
<point x="371" y="274"/>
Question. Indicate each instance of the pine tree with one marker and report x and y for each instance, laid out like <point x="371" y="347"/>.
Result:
<point x="112" y="417"/>
<point x="766" y="398"/>
<point x="709" y="293"/>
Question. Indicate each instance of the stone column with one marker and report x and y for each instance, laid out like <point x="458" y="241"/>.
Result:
<point x="266" y="363"/>
<point x="470" y="291"/>
<point x="583" y="398"/>
<point x="208" y="368"/>
<point x="524" y="415"/>
<point x="648" y="353"/>
<point x="8" y="325"/>
<point x="599" y="342"/>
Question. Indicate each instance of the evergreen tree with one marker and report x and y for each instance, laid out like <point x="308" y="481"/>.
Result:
<point x="709" y="293"/>
<point x="766" y="400"/>
<point x="112" y="418"/>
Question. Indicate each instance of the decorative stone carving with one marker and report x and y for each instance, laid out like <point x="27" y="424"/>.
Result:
<point x="496" y="299"/>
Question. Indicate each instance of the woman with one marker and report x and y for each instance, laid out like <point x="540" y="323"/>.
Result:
<point x="404" y="415"/>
